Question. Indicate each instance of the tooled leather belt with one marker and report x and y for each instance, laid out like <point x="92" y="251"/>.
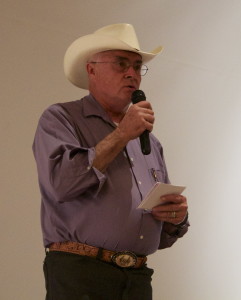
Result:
<point x="123" y="259"/>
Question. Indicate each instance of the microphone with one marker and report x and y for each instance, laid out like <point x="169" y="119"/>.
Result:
<point x="136" y="97"/>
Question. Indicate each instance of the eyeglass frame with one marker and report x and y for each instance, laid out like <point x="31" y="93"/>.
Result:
<point x="127" y="66"/>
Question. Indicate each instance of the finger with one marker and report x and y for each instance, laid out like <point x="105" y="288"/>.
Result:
<point x="146" y="114"/>
<point x="171" y="207"/>
<point x="166" y="208"/>
<point x="149" y="118"/>
<point x="148" y="126"/>
<point x="144" y="104"/>
<point x="170" y="216"/>
<point x="173" y="198"/>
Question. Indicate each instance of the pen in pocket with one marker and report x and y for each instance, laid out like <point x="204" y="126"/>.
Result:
<point x="153" y="172"/>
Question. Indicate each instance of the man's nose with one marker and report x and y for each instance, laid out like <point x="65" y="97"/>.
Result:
<point x="131" y="72"/>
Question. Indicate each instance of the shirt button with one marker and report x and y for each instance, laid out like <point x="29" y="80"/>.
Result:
<point x="88" y="168"/>
<point x="141" y="237"/>
<point x="139" y="182"/>
<point x="132" y="159"/>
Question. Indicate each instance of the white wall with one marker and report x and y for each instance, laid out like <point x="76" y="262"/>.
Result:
<point x="195" y="88"/>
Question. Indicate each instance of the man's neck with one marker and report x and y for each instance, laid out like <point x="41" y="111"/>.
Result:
<point x="115" y="112"/>
<point x="116" y="117"/>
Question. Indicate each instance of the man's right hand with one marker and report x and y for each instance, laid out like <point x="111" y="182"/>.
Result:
<point x="138" y="118"/>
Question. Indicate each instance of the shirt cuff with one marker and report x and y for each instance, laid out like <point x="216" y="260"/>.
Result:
<point x="101" y="176"/>
<point x="178" y="230"/>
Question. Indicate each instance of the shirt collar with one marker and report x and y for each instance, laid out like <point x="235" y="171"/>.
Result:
<point x="91" y="107"/>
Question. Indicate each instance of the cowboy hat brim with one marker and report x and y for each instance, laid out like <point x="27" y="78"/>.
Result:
<point x="81" y="50"/>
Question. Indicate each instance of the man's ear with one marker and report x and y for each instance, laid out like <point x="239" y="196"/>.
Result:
<point x="90" y="69"/>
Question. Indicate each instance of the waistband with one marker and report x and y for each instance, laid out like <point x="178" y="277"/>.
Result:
<point x="123" y="259"/>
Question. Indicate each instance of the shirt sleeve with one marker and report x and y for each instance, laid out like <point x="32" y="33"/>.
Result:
<point x="171" y="233"/>
<point x="64" y="167"/>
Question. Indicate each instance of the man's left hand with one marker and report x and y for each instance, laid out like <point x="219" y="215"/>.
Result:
<point x="173" y="210"/>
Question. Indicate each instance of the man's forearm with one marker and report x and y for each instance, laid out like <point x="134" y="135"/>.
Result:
<point x="108" y="149"/>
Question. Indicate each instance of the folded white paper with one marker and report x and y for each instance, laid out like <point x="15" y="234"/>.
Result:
<point x="160" y="189"/>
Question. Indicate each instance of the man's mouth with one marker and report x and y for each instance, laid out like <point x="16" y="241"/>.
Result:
<point x="131" y="87"/>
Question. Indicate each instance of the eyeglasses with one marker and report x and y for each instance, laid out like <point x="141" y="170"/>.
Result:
<point x="123" y="66"/>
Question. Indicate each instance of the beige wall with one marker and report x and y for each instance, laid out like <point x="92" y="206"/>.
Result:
<point x="195" y="88"/>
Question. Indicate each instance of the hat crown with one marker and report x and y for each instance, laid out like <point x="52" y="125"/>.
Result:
<point x="124" y="32"/>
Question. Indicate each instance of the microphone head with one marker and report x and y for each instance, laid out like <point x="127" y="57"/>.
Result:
<point x="137" y="96"/>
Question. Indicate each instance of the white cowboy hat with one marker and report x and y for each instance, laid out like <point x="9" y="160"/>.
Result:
<point x="112" y="37"/>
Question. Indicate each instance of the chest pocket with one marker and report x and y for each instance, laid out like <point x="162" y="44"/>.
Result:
<point x="157" y="175"/>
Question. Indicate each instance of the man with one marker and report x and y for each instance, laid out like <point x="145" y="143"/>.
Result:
<point x="93" y="175"/>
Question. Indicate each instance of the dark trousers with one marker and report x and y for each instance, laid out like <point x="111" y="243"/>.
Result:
<point x="74" y="277"/>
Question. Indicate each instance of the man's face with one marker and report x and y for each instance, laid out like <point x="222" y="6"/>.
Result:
<point x="114" y="84"/>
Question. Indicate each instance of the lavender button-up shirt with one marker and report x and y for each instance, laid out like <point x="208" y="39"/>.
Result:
<point x="79" y="203"/>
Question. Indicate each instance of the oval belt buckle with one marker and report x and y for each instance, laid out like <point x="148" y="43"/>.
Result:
<point x="124" y="259"/>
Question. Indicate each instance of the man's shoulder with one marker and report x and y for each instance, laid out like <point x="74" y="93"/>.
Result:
<point x="75" y="104"/>
<point x="70" y="106"/>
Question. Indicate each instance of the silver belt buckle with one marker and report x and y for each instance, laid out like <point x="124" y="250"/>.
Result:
<point x="124" y="259"/>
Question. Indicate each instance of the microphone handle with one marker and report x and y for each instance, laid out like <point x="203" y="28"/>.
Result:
<point x="145" y="143"/>
<point x="138" y="96"/>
